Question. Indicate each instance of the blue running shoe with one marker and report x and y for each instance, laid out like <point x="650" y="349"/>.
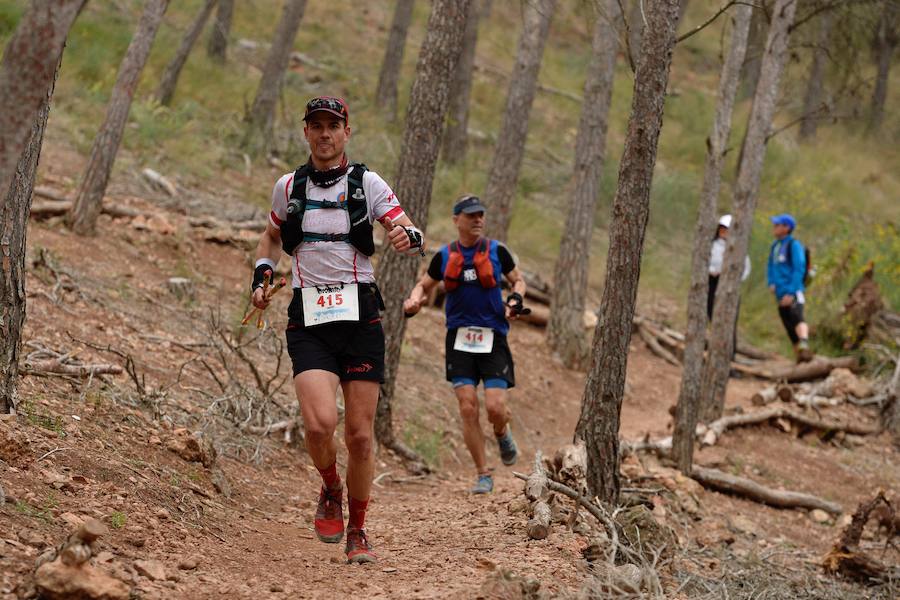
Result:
<point x="509" y="452"/>
<point x="485" y="485"/>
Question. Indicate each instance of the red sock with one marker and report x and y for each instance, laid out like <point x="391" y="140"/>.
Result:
<point x="330" y="476"/>
<point x="357" y="513"/>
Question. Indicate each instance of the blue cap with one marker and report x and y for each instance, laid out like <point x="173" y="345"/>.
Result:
<point x="468" y="204"/>
<point x="784" y="219"/>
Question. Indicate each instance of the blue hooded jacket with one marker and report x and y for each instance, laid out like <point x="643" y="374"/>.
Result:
<point x="786" y="267"/>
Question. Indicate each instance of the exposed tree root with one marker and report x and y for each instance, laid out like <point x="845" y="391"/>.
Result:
<point x="847" y="559"/>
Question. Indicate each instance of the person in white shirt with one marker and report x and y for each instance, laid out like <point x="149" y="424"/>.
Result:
<point x="716" y="258"/>
<point x="322" y="217"/>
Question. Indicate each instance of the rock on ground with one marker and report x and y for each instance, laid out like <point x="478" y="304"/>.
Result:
<point x="57" y="581"/>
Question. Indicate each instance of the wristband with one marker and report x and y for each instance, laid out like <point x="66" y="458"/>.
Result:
<point x="514" y="300"/>
<point x="259" y="274"/>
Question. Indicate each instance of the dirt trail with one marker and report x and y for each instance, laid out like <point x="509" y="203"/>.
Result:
<point x="109" y="458"/>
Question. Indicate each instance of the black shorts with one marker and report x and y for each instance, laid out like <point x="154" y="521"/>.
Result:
<point x="354" y="351"/>
<point x="791" y="316"/>
<point x="498" y="364"/>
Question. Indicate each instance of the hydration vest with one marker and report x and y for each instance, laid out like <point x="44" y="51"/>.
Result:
<point x="456" y="264"/>
<point x="360" y="236"/>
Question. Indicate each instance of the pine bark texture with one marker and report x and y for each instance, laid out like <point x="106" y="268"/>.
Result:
<point x="507" y="162"/>
<point x="415" y="174"/>
<point x="217" y="46"/>
<point x="814" y="102"/>
<point x="601" y="404"/>
<point x="13" y="227"/>
<point x="170" y="76"/>
<point x="565" y="333"/>
<point x="389" y="77"/>
<point x="88" y="202"/>
<point x="756" y="44"/>
<point x="704" y="230"/>
<point x="261" y="117"/>
<point x="456" y="134"/>
<point x="886" y="39"/>
<point x="715" y="372"/>
<point x="26" y="73"/>
<point x="636" y="30"/>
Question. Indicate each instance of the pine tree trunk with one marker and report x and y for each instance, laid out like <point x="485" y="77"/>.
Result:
<point x="814" y="104"/>
<point x="173" y="69"/>
<point x="601" y="404"/>
<point x="456" y="134"/>
<point x="260" y="119"/>
<point x="886" y="39"/>
<point x="504" y="173"/>
<point x="415" y="174"/>
<point x="389" y="77"/>
<point x="83" y="217"/>
<point x="704" y="230"/>
<point x="636" y="29"/>
<point x="565" y="332"/>
<point x="13" y="226"/>
<point x="217" y="47"/>
<point x="756" y="43"/>
<point x="721" y="345"/>
<point x="26" y="73"/>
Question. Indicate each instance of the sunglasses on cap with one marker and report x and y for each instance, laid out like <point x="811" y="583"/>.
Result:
<point x="335" y="106"/>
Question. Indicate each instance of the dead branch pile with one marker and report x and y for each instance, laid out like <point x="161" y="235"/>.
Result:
<point x="846" y="558"/>
<point x="626" y="544"/>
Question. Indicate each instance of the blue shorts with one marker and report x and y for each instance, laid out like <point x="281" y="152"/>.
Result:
<point x="491" y="383"/>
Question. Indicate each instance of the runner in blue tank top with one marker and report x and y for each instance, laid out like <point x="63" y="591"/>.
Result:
<point x="477" y="323"/>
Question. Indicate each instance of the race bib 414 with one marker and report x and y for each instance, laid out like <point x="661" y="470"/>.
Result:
<point x="477" y="340"/>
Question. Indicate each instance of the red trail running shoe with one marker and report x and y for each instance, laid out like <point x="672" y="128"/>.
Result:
<point x="358" y="549"/>
<point x="329" y="521"/>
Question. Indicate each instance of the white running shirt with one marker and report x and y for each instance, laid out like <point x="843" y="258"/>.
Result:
<point x="327" y="263"/>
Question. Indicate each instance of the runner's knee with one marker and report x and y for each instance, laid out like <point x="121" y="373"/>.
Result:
<point x="359" y="443"/>
<point x="468" y="406"/>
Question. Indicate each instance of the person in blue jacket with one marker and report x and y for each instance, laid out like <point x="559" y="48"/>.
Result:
<point x="785" y="274"/>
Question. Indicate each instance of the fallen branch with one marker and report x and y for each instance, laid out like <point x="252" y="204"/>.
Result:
<point x="655" y="346"/>
<point x="56" y="366"/>
<point x="720" y="426"/>
<point x="55" y="208"/>
<point x="747" y="488"/>
<point x="214" y="223"/>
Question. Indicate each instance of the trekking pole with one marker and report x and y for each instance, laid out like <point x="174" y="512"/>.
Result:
<point x="269" y="293"/>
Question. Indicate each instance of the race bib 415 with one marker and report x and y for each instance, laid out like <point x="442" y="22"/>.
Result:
<point x="331" y="303"/>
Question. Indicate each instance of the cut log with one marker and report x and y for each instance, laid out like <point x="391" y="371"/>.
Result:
<point x="765" y="396"/>
<point x="747" y="488"/>
<point x="536" y="490"/>
<point x="816" y="369"/>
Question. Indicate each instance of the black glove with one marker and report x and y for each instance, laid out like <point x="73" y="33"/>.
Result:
<point x="515" y="301"/>
<point x="259" y="274"/>
<point x="416" y="240"/>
